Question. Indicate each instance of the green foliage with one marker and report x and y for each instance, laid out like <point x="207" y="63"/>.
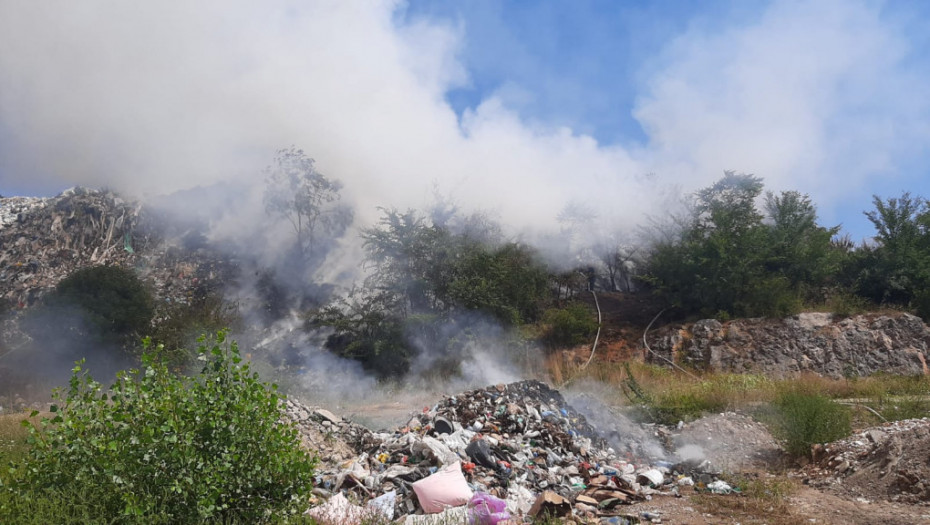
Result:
<point x="845" y="304"/>
<point x="369" y="329"/>
<point x="506" y="282"/>
<point x="159" y="448"/>
<point x="180" y="324"/>
<point x="296" y="191"/>
<point x="572" y="325"/>
<point x="729" y="257"/>
<point x="896" y="269"/>
<point x="430" y="285"/>
<point x="803" y="419"/>
<point x="112" y="300"/>
<point x="429" y="269"/>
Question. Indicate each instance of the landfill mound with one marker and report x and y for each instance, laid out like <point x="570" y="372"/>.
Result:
<point x="886" y="462"/>
<point x="520" y="443"/>
<point x="46" y="239"/>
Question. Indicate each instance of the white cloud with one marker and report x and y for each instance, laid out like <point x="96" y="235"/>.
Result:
<point x="813" y="95"/>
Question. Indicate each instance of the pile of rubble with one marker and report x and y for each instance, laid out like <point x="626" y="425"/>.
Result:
<point x="14" y="209"/>
<point x="888" y="462"/>
<point x="46" y="239"/>
<point x="518" y="444"/>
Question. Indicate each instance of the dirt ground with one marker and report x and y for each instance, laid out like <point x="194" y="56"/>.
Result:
<point x="805" y="505"/>
<point x="874" y="476"/>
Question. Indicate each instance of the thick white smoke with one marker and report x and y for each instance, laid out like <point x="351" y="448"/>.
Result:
<point x="154" y="97"/>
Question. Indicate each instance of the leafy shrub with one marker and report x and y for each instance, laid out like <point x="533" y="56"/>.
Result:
<point x="572" y="325"/>
<point x="844" y="304"/>
<point x="158" y="447"/>
<point x="112" y="299"/>
<point x="803" y="419"/>
<point x="921" y="304"/>
<point x="179" y="325"/>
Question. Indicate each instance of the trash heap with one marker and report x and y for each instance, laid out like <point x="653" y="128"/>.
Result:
<point x="518" y="445"/>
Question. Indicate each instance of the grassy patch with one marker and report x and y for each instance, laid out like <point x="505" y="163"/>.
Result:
<point x="762" y="499"/>
<point x="801" y="419"/>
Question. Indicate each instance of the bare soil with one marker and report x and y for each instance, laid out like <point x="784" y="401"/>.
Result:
<point x="876" y="475"/>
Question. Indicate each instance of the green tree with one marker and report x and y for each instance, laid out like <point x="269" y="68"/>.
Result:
<point x="715" y="264"/>
<point x="111" y="299"/>
<point x="296" y="191"/>
<point x="428" y="284"/>
<point x="367" y="327"/>
<point x="799" y="249"/>
<point x="410" y="259"/>
<point x="729" y="260"/>
<point x="896" y="268"/>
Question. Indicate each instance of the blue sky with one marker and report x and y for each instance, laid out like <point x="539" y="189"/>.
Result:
<point x="514" y="107"/>
<point x="578" y="64"/>
<point x="584" y="65"/>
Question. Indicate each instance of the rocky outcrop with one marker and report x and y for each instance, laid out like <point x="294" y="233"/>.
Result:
<point x="809" y="342"/>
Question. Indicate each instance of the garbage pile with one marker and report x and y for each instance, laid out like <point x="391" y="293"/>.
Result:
<point x="46" y="239"/>
<point x="518" y="448"/>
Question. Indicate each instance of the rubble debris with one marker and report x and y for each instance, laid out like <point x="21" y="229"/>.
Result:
<point x="339" y="441"/>
<point x="885" y="462"/>
<point x="726" y="442"/>
<point x="520" y="443"/>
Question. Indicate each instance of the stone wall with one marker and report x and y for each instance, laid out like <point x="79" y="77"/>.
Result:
<point x="809" y="342"/>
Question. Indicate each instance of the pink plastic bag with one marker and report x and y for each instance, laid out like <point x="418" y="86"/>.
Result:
<point x="485" y="509"/>
<point x="446" y="488"/>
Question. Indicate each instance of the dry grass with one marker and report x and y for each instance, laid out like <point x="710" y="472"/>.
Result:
<point x="13" y="435"/>
<point x="762" y="499"/>
<point x="670" y="395"/>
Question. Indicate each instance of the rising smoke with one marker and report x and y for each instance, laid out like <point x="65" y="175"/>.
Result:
<point x="154" y="99"/>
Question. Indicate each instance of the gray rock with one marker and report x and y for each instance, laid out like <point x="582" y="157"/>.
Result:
<point x="325" y="415"/>
<point x="809" y="342"/>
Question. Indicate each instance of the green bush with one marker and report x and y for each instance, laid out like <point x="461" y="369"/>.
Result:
<point x="112" y="299"/>
<point x="803" y="419"/>
<point x="180" y="324"/>
<point x="573" y="325"/>
<point x="157" y="447"/>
